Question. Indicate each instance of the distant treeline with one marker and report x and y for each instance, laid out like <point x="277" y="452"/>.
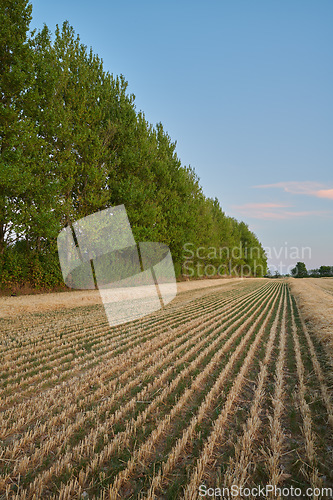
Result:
<point x="322" y="272"/>
<point x="72" y="143"/>
<point x="300" y="271"/>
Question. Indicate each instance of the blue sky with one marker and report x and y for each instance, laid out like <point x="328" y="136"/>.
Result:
<point x="245" y="88"/>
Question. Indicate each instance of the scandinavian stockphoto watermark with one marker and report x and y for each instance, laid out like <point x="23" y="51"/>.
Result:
<point x="239" y="261"/>
<point x="99" y="251"/>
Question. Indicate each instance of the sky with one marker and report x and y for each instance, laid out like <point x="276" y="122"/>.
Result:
<point x="245" y="88"/>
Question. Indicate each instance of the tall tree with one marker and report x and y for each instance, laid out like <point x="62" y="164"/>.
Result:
<point x="299" y="271"/>
<point x="70" y="109"/>
<point x="72" y="143"/>
<point x="17" y="135"/>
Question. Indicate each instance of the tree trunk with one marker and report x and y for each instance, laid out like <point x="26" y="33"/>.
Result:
<point x="2" y="238"/>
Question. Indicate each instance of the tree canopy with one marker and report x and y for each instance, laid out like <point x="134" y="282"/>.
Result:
<point x="322" y="272"/>
<point x="73" y="143"/>
<point x="299" y="271"/>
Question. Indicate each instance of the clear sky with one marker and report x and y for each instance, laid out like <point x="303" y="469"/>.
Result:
<point x="246" y="90"/>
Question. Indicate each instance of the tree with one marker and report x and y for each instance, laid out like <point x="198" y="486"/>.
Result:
<point x="72" y="143"/>
<point x="17" y="134"/>
<point x="314" y="273"/>
<point x="299" y="271"/>
<point x="325" y="271"/>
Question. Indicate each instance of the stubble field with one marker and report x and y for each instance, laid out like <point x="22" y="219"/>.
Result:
<point x="225" y="386"/>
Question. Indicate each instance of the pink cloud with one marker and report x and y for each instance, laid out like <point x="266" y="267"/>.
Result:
<point x="302" y="187"/>
<point x="262" y="205"/>
<point x="325" y="193"/>
<point x="274" y="211"/>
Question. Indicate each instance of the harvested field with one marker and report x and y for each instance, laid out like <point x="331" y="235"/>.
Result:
<point x="315" y="299"/>
<point x="14" y="306"/>
<point x="224" y="387"/>
<point x="326" y="284"/>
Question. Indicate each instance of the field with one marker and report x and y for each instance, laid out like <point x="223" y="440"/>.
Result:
<point x="325" y="284"/>
<point x="315" y="299"/>
<point x="228" y="385"/>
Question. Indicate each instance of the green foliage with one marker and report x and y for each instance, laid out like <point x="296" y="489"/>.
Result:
<point x="72" y="143"/>
<point x="322" y="272"/>
<point x="17" y="135"/>
<point x="299" y="271"/>
<point x="20" y="266"/>
<point x="326" y="271"/>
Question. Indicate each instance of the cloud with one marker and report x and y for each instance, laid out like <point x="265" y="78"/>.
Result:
<point x="274" y="211"/>
<point x="302" y="187"/>
<point x="263" y="205"/>
<point x="325" y="193"/>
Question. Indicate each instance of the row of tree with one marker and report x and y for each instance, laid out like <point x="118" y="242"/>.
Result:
<point x="72" y="143"/>
<point x="300" y="271"/>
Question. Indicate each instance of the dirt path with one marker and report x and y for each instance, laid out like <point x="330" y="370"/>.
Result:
<point x="14" y="306"/>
